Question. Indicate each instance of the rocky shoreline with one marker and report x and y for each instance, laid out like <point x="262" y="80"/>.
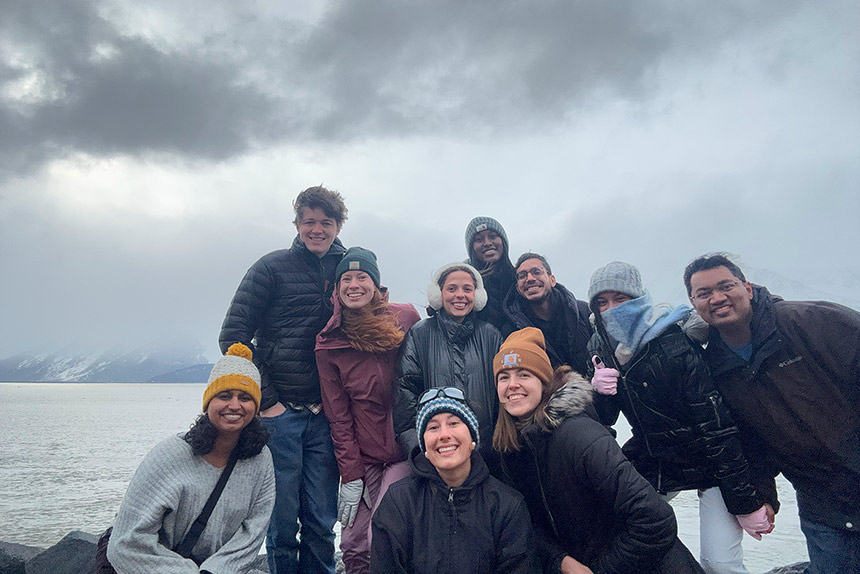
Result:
<point x="76" y="554"/>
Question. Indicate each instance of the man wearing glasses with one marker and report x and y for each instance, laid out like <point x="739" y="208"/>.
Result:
<point x="537" y="300"/>
<point x="790" y="372"/>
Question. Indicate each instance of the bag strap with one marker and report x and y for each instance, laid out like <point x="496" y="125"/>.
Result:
<point x="184" y="548"/>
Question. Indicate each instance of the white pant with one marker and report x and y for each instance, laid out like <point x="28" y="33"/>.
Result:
<point x="720" y="535"/>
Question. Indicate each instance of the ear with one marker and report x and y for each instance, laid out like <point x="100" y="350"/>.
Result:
<point x="748" y="287"/>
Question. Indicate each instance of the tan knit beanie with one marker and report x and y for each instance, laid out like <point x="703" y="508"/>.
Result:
<point x="524" y="349"/>
<point x="234" y="371"/>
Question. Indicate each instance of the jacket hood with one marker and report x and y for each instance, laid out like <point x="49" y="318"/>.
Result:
<point x="572" y="398"/>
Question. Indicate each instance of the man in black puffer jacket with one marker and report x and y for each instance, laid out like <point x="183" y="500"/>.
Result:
<point x="281" y="304"/>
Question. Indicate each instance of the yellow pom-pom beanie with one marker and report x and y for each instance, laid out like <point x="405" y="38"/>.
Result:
<point x="234" y="371"/>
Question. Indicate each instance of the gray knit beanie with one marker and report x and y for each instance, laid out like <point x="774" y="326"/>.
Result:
<point x="444" y="404"/>
<point x="480" y="224"/>
<point x="616" y="276"/>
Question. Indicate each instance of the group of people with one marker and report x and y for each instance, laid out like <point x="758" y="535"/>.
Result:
<point x="480" y="439"/>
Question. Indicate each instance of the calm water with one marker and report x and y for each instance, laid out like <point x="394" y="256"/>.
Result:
<point x="69" y="451"/>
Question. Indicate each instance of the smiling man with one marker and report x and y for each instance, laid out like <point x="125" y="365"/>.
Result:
<point x="539" y="301"/>
<point x="790" y="372"/>
<point x="281" y="304"/>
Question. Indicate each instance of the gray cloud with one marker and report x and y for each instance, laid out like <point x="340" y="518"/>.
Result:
<point x="376" y="68"/>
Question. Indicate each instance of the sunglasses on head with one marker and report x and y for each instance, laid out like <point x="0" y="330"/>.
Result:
<point x="449" y="392"/>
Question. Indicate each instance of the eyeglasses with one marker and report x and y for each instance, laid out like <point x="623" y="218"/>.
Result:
<point x="534" y="271"/>
<point x="704" y="295"/>
<point x="449" y="392"/>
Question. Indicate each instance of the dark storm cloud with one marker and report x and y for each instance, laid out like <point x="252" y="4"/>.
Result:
<point x="366" y="69"/>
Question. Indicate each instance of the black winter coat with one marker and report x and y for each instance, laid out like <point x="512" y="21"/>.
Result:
<point x="585" y="498"/>
<point x="797" y="401"/>
<point x="574" y="314"/>
<point x="424" y="526"/>
<point x="684" y="437"/>
<point x="283" y="301"/>
<point x="439" y="352"/>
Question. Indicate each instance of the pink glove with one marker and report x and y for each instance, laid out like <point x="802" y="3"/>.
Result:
<point x="756" y="523"/>
<point x="604" y="381"/>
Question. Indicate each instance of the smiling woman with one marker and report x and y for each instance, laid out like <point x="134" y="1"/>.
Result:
<point x="450" y="515"/>
<point x="168" y="493"/>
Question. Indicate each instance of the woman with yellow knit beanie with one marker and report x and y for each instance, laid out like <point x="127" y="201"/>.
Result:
<point x="168" y="492"/>
<point x="591" y="510"/>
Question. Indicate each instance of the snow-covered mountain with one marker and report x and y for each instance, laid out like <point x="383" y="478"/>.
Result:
<point x="159" y="361"/>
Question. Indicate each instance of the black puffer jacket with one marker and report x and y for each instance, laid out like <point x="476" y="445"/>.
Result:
<point x="282" y="303"/>
<point x="439" y="352"/>
<point x="424" y="526"/>
<point x="574" y="314"/>
<point x="497" y="284"/>
<point x="683" y="435"/>
<point x="585" y="498"/>
<point x="797" y="401"/>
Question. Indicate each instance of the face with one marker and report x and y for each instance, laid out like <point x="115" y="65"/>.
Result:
<point x="720" y="298"/>
<point x="447" y="442"/>
<point x="533" y="282"/>
<point x="487" y="245"/>
<point x="231" y="410"/>
<point x="519" y="391"/>
<point x="458" y="294"/>
<point x="317" y="230"/>
<point x="355" y="289"/>
<point x="610" y="299"/>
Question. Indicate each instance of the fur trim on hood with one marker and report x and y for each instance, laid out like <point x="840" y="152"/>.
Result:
<point x="434" y="291"/>
<point x="572" y="398"/>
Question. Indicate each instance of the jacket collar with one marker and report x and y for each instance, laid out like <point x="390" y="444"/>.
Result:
<point x="765" y="338"/>
<point x="572" y="398"/>
<point x="299" y="247"/>
<point x="424" y="469"/>
<point x="452" y="330"/>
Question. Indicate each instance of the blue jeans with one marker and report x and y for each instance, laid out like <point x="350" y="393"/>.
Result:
<point x="306" y="483"/>
<point x="831" y="550"/>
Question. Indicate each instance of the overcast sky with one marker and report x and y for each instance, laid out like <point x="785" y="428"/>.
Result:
<point x="150" y="151"/>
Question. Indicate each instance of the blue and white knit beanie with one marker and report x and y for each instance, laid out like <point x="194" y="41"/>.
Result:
<point x="434" y="290"/>
<point x="443" y="404"/>
<point x="616" y="276"/>
<point x="482" y="223"/>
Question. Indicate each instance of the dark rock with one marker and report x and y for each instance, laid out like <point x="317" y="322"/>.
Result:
<point x="74" y="554"/>
<point x="20" y="551"/>
<point x="13" y="556"/>
<point x="796" y="568"/>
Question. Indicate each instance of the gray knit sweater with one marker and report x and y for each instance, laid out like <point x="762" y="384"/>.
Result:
<point x="166" y="495"/>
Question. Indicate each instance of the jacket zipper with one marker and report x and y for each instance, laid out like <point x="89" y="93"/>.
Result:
<point x="713" y="400"/>
<point x="540" y="485"/>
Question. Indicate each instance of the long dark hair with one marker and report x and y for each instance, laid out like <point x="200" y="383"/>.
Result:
<point x="202" y="435"/>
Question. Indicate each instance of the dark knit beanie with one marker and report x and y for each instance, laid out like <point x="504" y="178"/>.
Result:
<point x="524" y="349"/>
<point x="358" y="259"/>
<point x="480" y="224"/>
<point x="616" y="276"/>
<point x="445" y="404"/>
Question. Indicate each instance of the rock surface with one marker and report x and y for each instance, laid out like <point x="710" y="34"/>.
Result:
<point x="76" y="554"/>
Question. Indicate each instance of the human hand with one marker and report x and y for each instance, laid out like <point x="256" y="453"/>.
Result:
<point x="605" y="380"/>
<point x="571" y="566"/>
<point x="756" y="523"/>
<point x="347" y="501"/>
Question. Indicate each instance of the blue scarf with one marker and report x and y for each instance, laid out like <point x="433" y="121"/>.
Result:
<point x="634" y="323"/>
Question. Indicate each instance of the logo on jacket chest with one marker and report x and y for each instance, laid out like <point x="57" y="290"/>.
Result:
<point x="791" y="361"/>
